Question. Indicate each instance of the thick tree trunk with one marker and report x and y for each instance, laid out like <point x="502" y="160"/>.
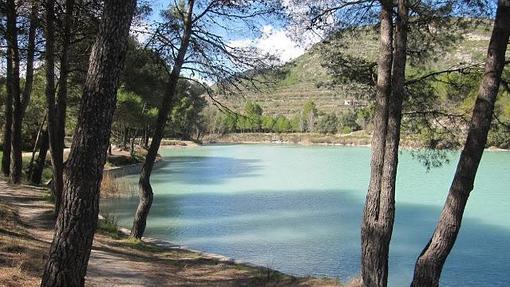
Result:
<point x="77" y="218"/>
<point x="430" y="263"/>
<point x="374" y="254"/>
<point x="14" y="90"/>
<point x="38" y="168"/>
<point x="144" y="186"/>
<point x="386" y="217"/>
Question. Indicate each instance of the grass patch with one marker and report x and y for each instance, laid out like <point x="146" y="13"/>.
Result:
<point x="142" y="246"/>
<point x="108" y="226"/>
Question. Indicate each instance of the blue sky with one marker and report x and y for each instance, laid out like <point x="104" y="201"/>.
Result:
<point x="270" y="36"/>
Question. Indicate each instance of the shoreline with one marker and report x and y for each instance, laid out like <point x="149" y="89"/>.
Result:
<point x="355" y="139"/>
<point x="221" y="258"/>
<point x="117" y="260"/>
<point x="120" y="171"/>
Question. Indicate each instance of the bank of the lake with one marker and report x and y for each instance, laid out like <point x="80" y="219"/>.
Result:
<point x="352" y="139"/>
<point x="297" y="209"/>
<point x="26" y="230"/>
<point x="359" y="138"/>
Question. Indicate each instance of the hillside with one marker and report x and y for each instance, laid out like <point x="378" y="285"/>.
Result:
<point x="306" y="77"/>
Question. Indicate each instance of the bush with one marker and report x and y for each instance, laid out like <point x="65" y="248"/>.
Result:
<point x="328" y="124"/>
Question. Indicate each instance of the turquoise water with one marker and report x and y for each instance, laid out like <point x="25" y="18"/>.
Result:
<point x="298" y="209"/>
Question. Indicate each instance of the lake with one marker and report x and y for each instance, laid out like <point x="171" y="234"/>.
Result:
<point x="298" y="209"/>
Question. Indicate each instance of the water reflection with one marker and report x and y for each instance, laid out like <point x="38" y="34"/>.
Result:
<point x="205" y="169"/>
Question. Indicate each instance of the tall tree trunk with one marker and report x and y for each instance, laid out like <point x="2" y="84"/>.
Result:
<point x="77" y="218"/>
<point x="374" y="259"/>
<point x="6" y="159"/>
<point x="430" y="262"/>
<point x="386" y="216"/>
<point x="14" y="90"/>
<point x="57" y="106"/>
<point x="61" y="101"/>
<point x="56" y="160"/>
<point x="38" y="168"/>
<point x="144" y="186"/>
<point x="29" y="76"/>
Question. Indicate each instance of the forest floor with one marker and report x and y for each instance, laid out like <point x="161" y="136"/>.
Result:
<point x="26" y="220"/>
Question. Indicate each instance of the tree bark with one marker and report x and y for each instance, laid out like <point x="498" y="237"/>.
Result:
<point x="29" y="76"/>
<point x="77" y="218"/>
<point x="6" y="159"/>
<point x="430" y="263"/>
<point x="14" y="89"/>
<point x="38" y="168"/>
<point x="386" y="217"/>
<point x="57" y="106"/>
<point x="374" y="254"/>
<point x="144" y="186"/>
<point x="56" y="157"/>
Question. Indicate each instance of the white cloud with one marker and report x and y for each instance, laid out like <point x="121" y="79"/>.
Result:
<point x="277" y="42"/>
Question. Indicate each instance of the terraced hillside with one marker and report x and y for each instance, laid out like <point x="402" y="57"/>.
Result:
<point x="307" y="77"/>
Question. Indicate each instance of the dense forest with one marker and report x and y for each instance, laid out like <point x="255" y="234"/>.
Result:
<point x="80" y="78"/>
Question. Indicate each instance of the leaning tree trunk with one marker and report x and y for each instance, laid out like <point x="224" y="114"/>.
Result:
<point x="38" y="141"/>
<point x="144" y="185"/>
<point x="40" y="162"/>
<point x="430" y="262"/>
<point x="14" y="90"/>
<point x="77" y="218"/>
<point x="374" y="261"/>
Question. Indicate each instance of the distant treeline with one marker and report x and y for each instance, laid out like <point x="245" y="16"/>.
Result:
<point x="310" y="119"/>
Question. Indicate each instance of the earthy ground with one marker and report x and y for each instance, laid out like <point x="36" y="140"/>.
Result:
<point x="26" y="220"/>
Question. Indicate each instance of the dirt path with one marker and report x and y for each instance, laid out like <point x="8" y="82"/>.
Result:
<point x="116" y="261"/>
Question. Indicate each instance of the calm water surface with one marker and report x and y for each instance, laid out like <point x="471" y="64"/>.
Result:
<point x="298" y="209"/>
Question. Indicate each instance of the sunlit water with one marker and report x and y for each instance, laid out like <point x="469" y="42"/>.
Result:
<point x="298" y="209"/>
